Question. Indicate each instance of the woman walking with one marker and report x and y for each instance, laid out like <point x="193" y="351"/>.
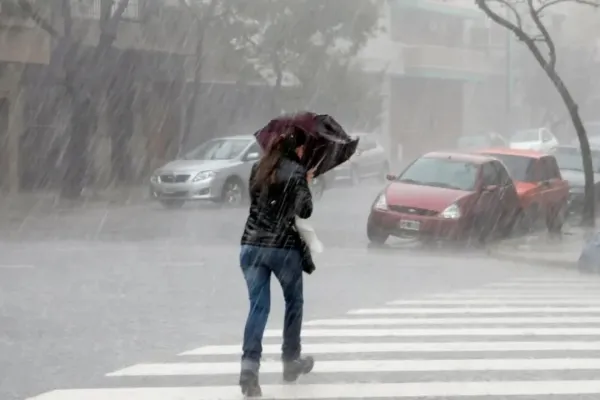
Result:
<point x="270" y="244"/>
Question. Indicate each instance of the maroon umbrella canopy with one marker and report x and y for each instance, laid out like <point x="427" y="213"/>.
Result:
<point x="328" y="145"/>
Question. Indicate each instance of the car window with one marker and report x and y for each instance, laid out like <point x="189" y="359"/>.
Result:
<point x="489" y="175"/>
<point x="503" y="176"/>
<point x="254" y="148"/>
<point x="530" y="135"/>
<point x="520" y="168"/>
<point x="441" y="172"/>
<point x="549" y="168"/>
<point x="366" y="143"/>
<point x="218" y="149"/>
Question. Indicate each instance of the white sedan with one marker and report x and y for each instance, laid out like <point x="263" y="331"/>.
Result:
<point x="540" y="139"/>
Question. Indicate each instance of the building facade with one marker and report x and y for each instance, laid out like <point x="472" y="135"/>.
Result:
<point x="446" y="77"/>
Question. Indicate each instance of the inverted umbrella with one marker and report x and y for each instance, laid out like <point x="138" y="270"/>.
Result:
<point x="327" y="146"/>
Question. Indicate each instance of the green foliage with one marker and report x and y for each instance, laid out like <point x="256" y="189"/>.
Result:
<point x="305" y="44"/>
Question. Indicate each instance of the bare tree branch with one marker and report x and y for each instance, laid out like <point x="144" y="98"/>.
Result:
<point x="37" y="18"/>
<point x="514" y="11"/>
<point x="593" y="3"/>
<point x="516" y="29"/>
<point x="546" y="35"/>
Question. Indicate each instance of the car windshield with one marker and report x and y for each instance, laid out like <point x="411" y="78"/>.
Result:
<point x="570" y="159"/>
<point x="218" y="149"/>
<point x="441" y="172"/>
<point x="530" y="135"/>
<point x="520" y="168"/>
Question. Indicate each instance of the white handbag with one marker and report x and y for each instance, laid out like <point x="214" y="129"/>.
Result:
<point x="308" y="234"/>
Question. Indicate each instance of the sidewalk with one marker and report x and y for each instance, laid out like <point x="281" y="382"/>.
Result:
<point x="543" y="249"/>
<point x="18" y="206"/>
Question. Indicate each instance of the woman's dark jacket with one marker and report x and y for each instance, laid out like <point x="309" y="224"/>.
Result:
<point x="273" y="208"/>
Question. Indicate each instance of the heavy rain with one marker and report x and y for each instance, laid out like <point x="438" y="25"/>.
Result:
<point x="299" y="199"/>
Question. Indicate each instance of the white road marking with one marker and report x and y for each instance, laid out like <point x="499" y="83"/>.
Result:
<point x="442" y="302"/>
<point x="545" y="285"/>
<point x="345" y="366"/>
<point x="533" y="320"/>
<point x="337" y="391"/>
<point x="517" y="296"/>
<point x="385" y="347"/>
<point x="475" y="310"/>
<point x="443" y="332"/>
<point x="553" y="279"/>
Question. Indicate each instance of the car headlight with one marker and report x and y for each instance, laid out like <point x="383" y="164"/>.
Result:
<point x="451" y="212"/>
<point x="155" y="178"/>
<point x="204" y="176"/>
<point x="381" y="203"/>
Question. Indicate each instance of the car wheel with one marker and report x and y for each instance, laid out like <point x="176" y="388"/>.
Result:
<point x="233" y="192"/>
<point x="317" y="188"/>
<point x="376" y="235"/>
<point x="172" y="204"/>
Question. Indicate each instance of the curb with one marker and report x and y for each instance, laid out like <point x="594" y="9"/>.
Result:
<point x="506" y="255"/>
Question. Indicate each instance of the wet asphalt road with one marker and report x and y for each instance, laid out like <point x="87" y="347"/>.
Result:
<point x="88" y="292"/>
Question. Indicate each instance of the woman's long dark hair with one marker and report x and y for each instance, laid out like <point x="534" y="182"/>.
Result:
<point x="282" y="146"/>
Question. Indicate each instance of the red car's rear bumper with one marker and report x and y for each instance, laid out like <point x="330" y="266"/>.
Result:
<point x="391" y="223"/>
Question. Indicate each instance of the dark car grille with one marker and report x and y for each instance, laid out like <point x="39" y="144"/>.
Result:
<point x="174" y="178"/>
<point x="413" y="210"/>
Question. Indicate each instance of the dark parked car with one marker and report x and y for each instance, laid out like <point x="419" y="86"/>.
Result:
<point x="542" y="190"/>
<point x="571" y="168"/>
<point x="446" y="196"/>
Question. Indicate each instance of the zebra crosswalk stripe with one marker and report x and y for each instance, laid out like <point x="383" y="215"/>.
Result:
<point x="463" y="333"/>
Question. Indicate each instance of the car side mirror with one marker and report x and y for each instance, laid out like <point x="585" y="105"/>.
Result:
<point x="391" y="177"/>
<point x="252" y="156"/>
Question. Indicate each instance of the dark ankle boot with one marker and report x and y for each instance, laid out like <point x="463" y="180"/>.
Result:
<point x="249" y="384"/>
<point x="293" y="369"/>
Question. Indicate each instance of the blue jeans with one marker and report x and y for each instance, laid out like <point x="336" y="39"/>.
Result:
<point x="257" y="265"/>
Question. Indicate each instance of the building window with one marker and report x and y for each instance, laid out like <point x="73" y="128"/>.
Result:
<point x="90" y="9"/>
<point x="132" y="11"/>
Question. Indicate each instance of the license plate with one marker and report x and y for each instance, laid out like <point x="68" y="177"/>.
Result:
<point x="409" y="225"/>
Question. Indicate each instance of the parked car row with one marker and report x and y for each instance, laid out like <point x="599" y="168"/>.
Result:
<point x="218" y="171"/>
<point x="478" y="195"/>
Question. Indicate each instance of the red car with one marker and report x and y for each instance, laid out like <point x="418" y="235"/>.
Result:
<point x="543" y="193"/>
<point x="446" y="196"/>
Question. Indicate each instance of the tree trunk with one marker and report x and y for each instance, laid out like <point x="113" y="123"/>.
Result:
<point x="76" y="153"/>
<point x="589" y="212"/>
<point x="190" y="112"/>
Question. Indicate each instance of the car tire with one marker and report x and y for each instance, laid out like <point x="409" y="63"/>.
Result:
<point x="375" y="235"/>
<point x="172" y="204"/>
<point x="233" y="193"/>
